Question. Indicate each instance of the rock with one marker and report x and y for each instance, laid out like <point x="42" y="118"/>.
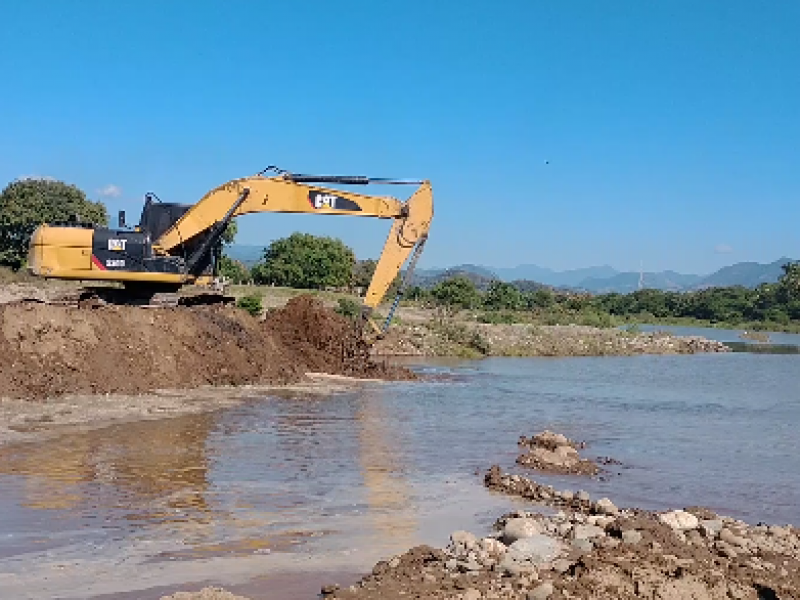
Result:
<point x="541" y="592"/>
<point x="583" y="496"/>
<point x="429" y="578"/>
<point x="514" y="567"/>
<point x="395" y="562"/>
<point x="606" y="507"/>
<point x="726" y="535"/>
<point x="679" y="520"/>
<point x="562" y="565"/>
<point x="564" y="529"/>
<point x="587" y="532"/>
<point x="710" y="528"/>
<point x="725" y="549"/>
<point x="472" y="565"/>
<point x="537" y="549"/>
<point x="517" y="529"/>
<point x="327" y="590"/>
<point x="567" y="495"/>
<point x="693" y="537"/>
<point x="583" y="545"/>
<point x="451" y="565"/>
<point x="471" y="594"/>
<point x="631" y="536"/>
<point x="778" y="531"/>
<point x="600" y="520"/>
<point x="493" y="547"/>
<point x="464" y="539"/>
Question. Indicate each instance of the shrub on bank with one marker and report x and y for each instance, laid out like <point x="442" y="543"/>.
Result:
<point x="251" y="303"/>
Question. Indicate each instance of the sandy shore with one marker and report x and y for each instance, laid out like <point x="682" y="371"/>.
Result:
<point x="34" y="421"/>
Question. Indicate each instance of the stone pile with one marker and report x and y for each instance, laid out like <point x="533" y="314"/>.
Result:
<point x="554" y="452"/>
<point x="595" y="550"/>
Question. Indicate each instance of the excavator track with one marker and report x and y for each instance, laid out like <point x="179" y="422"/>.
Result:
<point x="94" y="297"/>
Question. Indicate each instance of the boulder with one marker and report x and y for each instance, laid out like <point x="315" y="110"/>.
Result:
<point x="604" y="506"/>
<point x="679" y="520"/>
<point x="541" y="592"/>
<point x="587" y="532"/>
<point x="518" y="529"/>
<point x="537" y="549"/>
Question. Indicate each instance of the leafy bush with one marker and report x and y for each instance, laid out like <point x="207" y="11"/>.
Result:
<point x="347" y="307"/>
<point x="498" y="318"/>
<point x="457" y="292"/>
<point x="462" y="335"/>
<point x="251" y="304"/>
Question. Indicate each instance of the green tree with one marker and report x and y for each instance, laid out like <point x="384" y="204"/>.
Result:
<point x="233" y="270"/>
<point x="27" y="203"/>
<point x="790" y="282"/>
<point x="456" y="292"/>
<point x="230" y="233"/>
<point x="306" y="261"/>
<point x="502" y="296"/>
<point x="543" y="298"/>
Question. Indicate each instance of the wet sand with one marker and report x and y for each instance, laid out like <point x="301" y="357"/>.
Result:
<point x="28" y="421"/>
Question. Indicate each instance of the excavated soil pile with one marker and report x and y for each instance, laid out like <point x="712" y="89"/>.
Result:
<point x="326" y="342"/>
<point x="48" y="350"/>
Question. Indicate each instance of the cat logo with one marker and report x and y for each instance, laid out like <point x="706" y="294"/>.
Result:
<point x="117" y="245"/>
<point x="325" y="201"/>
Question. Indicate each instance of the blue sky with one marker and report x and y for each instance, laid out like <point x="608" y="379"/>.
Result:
<point x="671" y="129"/>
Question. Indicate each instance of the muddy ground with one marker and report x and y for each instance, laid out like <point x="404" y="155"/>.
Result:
<point x="48" y="351"/>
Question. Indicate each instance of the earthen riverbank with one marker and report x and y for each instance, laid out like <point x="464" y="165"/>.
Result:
<point x="454" y="338"/>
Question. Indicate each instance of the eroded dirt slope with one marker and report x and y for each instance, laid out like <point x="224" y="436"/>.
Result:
<point x="48" y="350"/>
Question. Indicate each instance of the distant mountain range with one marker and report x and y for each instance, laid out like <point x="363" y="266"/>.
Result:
<point x="601" y="279"/>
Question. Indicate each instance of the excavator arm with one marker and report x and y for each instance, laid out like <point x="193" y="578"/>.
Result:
<point x="287" y="193"/>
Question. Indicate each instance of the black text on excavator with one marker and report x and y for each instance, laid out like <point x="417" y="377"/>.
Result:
<point x="179" y="244"/>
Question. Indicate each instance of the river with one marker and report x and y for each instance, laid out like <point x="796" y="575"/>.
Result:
<point x="283" y="492"/>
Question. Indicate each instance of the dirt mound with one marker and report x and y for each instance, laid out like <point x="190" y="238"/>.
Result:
<point x="48" y="350"/>
<point x="326" y="342"/>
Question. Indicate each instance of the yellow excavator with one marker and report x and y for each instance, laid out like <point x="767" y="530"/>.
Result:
<point x="175" y="245"/>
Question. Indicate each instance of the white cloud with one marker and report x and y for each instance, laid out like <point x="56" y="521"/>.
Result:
<point x="39" y="177"/>
<point x="723" y="249"/>
<point x="110" y="191"/>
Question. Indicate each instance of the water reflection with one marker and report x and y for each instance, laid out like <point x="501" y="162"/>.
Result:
<point x="142" y="462"/>
<point x="384" y="476"/>
<point x="266" y="476"/>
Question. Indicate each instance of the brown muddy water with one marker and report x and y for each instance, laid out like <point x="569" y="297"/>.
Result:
<point x="274" y="496"/>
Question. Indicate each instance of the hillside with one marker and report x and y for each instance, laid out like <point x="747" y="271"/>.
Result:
<point x="598" y="279"/>
<point x="748" y="274"/>
<point x="569" y="278"/>
<point x="629" y="282"/>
